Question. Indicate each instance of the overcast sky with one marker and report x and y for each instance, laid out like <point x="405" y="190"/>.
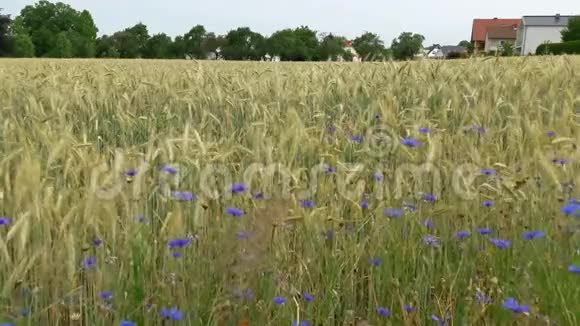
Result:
<point x="442" y="21"/>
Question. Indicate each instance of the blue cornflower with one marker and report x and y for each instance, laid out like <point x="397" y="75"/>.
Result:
<point x="410" y="142"/>
<point x="106" y="295"/>
<point x="176" y="254"/>
<point x="307" y="203"/>
<point x="428" y="224"/>
<point x="307" y="297"/>
<point x="574" y="269"/>
<point x="560" y="161"/>
<point x="24" y="312"/>
<point x="462" y="234"/>
<point x="501" y="244"/>
<point x="378" y="176"/>
<point x="235" y="212"/>
<point x="440" y="321"/>
<point x="431" y="241"/>
<point x="329" y="169"/>
<point x="482" y="299"/>
<point x="391" y="212"/>
<point x="184" y="196"/>
<point x="478" y="129"/>
<point x="514" y="306"/>
<point x="242" y="235"/>
<point x="171" y="314"/>
<point x="279" y="301"/>
<point x="484" y="231"/>
<point x="550" y="134"/>
<point x="246" y="294"/>
<point x="376" y="261"/>
<point x="407" y="308"/>
<point x="127" y="323"/>
<point x="301" y="323"/>
<point x="4" y="221"/>
<point x="488" y="172"/>
<point x="364" y="204"/>
<point x="331" y="128"/>
<point x="424" y="130"/>
<point x="168" y="170"/>
<point x="89" y="263"/>
<point x="487" y="203"/>
<point x="237" y="188"/>
<point x="572" y="209"/>
<point x="97" y="242"/>
<point x="178" y="243"/>
<point x="130" y="173"/>
<point x="258" y="196"/>
<point x="429" y="197"/>
<point x="356" y="139"/>
<point x="533" y="235"/>
<point x="6" y="324"/>
<point x="383" y="312"/>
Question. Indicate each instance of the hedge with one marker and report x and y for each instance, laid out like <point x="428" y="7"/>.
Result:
<point x="559" y="48"/>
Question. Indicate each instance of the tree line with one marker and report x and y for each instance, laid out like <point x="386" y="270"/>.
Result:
<point x="57" y="30"/>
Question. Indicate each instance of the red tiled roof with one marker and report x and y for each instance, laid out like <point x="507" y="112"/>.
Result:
<point x="480" y="26"/>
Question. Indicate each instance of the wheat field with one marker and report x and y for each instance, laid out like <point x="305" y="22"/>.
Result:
<point x="235" y="193"/>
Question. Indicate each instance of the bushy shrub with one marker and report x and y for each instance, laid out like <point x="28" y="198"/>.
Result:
<point x="559" y="48"/>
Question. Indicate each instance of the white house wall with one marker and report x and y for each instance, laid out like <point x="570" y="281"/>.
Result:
<point x="492" y="45"/>
<point x="538" y="35"/>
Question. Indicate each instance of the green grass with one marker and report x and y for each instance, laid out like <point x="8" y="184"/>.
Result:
<point x="70" y="128"/>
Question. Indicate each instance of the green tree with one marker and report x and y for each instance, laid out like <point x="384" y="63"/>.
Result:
<point x="177" y="48"/>
<point x="213" y="44"/>
<point x="507" y="49"/>
<point x="369" y="47"/>
<point x="244" y="44"/>
<point x="23" y="46"/>
<point x="466" y="44"/>
<point x="130" y="43"/>
<point x="332" y="47"/>
<point x="572" y="32"/>
<point x="407" y="45"/>
<point x="112" y="52"/>
<point x="159" y="47"/>
<point x="194" y="42"/>
<point x="300" y="44"/>
<point x="62" y="47"/>
<point x="5" y="39"/>
<point x="104" y="44"/>
<point x="44" y="21"/>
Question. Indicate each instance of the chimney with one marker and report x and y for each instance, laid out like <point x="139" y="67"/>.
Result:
<point x="557" y="18"/>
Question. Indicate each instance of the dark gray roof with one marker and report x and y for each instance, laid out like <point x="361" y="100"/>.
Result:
<point x="446" y="49"/>
<point x="546" y="20"/>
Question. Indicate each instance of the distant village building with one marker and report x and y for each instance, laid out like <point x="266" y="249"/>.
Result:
<point x="437" y="51"/>
<point x="348" y="48"/>
<point x="481" y="27"/>
<point x="537" y="30"/>
<point x="268" y="57"/>
<point x="497" y="36"/>
<point x="215" y="55"/>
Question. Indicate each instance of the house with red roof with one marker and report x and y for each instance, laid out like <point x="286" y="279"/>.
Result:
<point x="499" y="30"/>
<point x="350" y="49"/>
